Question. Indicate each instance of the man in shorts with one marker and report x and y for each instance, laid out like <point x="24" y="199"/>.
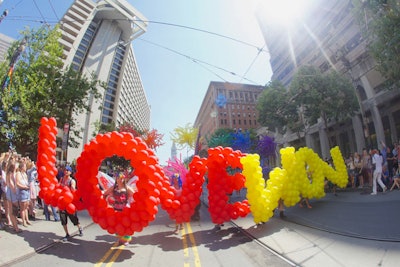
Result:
<point x="67" y="180"/>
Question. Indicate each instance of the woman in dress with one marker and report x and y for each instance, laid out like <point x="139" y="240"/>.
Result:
<point x="24" y="192"/>
<point x="12" y="194"/>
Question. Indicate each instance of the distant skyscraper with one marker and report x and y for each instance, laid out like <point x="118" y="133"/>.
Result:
<point x="329" y="38"/>
<point x="173" y="151"/>
<point x="97" y="37"/>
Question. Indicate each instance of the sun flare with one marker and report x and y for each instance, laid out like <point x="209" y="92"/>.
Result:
<point x="286" y="12"/>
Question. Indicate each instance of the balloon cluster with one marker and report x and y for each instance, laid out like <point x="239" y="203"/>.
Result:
<point x="263" y="197"/>
<point x="307" y="172"/>
<point x="221" y="184"/>
<point x="150" y="177"/>
<point x="302" y="175"/>
<point x="51" y="191"/>
<point x="181" y="207"/>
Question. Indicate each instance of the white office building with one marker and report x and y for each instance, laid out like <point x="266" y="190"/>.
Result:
<point x="97" y="36"/>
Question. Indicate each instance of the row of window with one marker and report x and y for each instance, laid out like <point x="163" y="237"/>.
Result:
<point x="84" y="46"/>
<point x="224" y="114"/>
<point x="239" y="122"/>
<point x="109" y="100"/>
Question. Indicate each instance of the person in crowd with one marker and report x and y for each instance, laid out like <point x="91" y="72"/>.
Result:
<point x="358" y="165"/>
<point x="281" y="209"/>
<point x="396" y="157"/>
<point x="177" y="184"/>
<point x="387" y="181"/>
<point x="60" y="172"/>
<point x="12" y="194"/>
<point x="396" y="180"/>
<point x="351" y="169"/>
<point x="3" y="184"/>
<point x="118" y="196"/>
<point x="304" y="202"/>
<point x="32" y="176"/>
<point x="24" y="192"/>
<point x="47" y="213"/>
<point x="377" y="162"/>
<point x="366" y="166"/>
<point x="67" y="180"/>
<point x="390" y="162"/>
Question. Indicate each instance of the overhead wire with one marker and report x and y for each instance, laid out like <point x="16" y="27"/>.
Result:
<point x="252" y="63"/>
<point x="40" y="12"/>
<point x="197" y="61"/>
<point x="54" y="11"/>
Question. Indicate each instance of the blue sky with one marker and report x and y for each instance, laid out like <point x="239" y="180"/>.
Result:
<point x="175" y="85"/>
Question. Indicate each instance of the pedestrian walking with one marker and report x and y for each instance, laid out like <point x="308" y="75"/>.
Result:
<point x="377" y="162"/>
<point x="67" y="180"/>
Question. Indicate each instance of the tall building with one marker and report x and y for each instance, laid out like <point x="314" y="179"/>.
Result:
<point x="328" y="37"/>
<point x="96" y="37"/>
<point x="228" y="105"/>
<point x="5" y="43"/>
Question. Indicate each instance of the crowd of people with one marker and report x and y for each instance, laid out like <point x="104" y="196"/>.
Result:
<point x="18" y="191"/>
<point x="375" y="167"/>
<point x="19" y="194"/>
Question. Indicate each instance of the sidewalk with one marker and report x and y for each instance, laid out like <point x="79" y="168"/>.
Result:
<point x="351" y="229"/>
<point x="35" y="237"/>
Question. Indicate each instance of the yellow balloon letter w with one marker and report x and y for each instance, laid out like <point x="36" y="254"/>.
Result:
<point x="302" y="174"/>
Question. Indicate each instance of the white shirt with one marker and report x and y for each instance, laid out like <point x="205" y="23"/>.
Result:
<point x="377" y="160"/>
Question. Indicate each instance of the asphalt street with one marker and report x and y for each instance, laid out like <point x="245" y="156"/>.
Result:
<point x="350" y="229"/>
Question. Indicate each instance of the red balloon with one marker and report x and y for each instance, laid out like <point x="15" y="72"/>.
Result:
<point x="71" y="208"/>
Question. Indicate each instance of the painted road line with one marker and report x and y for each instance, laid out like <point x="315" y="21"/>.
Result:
<point x="114" y="247"/>
<point x="186" y="237"/>
<point x="197" y="262"/>
<point x="115" y="256"/>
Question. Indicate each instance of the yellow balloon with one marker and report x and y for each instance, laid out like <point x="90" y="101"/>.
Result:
<point x="303" y="173"/>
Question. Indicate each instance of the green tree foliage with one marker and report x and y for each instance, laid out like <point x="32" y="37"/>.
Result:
<point x="102" y="128"/>
<point x="380" y="23"/>
<point x="40" y="86"/>
<point x="328" y="96"/>
<point x="276" y="108"/>
<point x="221" y="137"/>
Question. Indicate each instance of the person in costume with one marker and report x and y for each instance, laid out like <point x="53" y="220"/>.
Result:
<point x="118" y="196"/>
<point x="176" y="182"/>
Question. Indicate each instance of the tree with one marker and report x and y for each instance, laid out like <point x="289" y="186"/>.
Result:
<point x="276" y="108"/>
<point x="328" y="96"/>
<point x="379" y="21"/>
<point x="152" y="138"/>
<point x="221" y="137"/>
<point x="41" y="86"/>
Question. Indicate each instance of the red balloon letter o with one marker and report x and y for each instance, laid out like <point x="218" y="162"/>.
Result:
<point x="148" y="172"/>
